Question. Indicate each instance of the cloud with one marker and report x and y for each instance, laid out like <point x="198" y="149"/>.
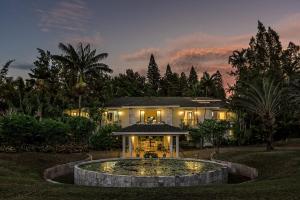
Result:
<point x="207" y="52"/>
<point x="141" y="55"/>
<point x="203" y="40"/>
<point x="66" y="15"/>
<point x="289" y="28"/>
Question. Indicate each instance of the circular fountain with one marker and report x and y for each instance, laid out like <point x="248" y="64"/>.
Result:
<point x="149" y="173"/>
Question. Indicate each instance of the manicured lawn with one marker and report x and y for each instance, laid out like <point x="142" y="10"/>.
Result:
<point x="279" y="178"/>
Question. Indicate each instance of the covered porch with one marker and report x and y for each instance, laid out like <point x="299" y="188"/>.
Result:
<point x="150" y="140"/>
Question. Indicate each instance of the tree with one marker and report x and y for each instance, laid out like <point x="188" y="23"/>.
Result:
<point x="193" y="77"/>
<point x="5" y="87"/>
<point x="47" y="86"/>
<point x="183" y="85"/>
<point x="129" y="84"/>
<point x="213" y="131"/>
<point x="153" y="75"/>
<point x="265" y="57"/>
<point x="212" y="85"/>
<point x="4" y="70"/>
<point x="169" y="83"/>
<point x="263" y="99"/>
<point x="81" y="62"/>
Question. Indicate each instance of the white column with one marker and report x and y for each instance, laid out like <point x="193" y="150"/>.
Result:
<point x="123" y="146"/>
<point x="177" y="146"/>
<point x="171" y="146"/>
<point x="130" y="146"/>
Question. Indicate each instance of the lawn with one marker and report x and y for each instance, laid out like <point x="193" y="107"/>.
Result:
<point x="279" y="178"/>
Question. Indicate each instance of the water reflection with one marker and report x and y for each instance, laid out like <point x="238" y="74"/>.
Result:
<point x="153" y="167"/>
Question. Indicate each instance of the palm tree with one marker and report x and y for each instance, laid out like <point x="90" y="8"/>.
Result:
<point x="4" y="70"/>
<point x="212" y="85"/>
<point x="5" y="90"/>
<point x="264" y="100"/>
<point x="81" y="61"/>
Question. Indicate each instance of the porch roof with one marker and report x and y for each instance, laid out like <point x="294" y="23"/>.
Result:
<point x="151" y="129"/>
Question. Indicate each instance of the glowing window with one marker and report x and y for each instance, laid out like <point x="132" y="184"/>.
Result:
<point x="222" y="115"/>
<point x="158" y="115"/>
<point x="142" y="116"/>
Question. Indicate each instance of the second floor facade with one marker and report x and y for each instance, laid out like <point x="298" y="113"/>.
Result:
<point x="175" y="111"/>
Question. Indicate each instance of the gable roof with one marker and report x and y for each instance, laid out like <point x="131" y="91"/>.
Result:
<point x="165" y="101"/>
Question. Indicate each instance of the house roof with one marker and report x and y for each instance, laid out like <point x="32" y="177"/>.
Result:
<point x="150" y="129"/>
<point x="165" y="101"/>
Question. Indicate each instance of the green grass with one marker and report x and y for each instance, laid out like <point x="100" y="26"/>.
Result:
<point x="279" y="178"/>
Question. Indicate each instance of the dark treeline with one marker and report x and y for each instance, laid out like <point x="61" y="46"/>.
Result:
<point x="77" y="78"/>
<point x="169" y="84"/>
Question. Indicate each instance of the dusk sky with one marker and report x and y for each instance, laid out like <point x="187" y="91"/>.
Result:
<point x="182" y="33"/>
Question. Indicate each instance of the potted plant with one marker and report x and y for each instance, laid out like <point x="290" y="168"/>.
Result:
<point x="164" y="150"/>
<point x="138" y="150"/>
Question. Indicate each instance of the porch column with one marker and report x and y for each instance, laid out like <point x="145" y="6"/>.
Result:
<point x="123" y="146"/>
<point x="171" y="146"/>
<point x="177" y="146"/>
<point x="130" y="146"/>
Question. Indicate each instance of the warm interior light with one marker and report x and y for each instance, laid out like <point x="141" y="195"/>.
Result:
<point x="180" y="112"/>
<point x="222" y="116"/>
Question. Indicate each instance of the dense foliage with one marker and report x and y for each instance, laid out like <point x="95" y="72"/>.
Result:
<point x="26" y="133"/>
<point x="266" y="89"/>
<point x="212" y="131"/>
<point x="103" y="138"/>
<point x="81" y="128"/>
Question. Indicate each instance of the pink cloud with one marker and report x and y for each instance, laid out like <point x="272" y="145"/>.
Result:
<point x="141" y="55"/>
<point x="289" y="28"/>
<point x="209" y="52"/>
<point x="67" y="15"/>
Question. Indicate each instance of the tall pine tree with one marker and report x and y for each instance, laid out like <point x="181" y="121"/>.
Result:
<point x="193" y="77"/>
<point x="153" y="76"/>
<point x="183" y="84"/>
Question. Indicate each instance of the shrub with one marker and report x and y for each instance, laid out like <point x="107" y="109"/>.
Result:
<point x="150" y="155"/>
<point x="103" y="138"/>
<point x="54" y="132"/>
<point x="19" y="129"/>
<point x="81" y="128"/>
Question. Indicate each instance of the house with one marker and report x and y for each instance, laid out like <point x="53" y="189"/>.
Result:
<point x="153" y="125"/>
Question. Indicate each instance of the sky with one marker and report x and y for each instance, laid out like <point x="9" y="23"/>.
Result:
<point x="202" y="33"/>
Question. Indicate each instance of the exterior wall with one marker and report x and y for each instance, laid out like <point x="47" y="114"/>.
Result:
<point x="124" y="117"/>
<point x="173" y="116"/>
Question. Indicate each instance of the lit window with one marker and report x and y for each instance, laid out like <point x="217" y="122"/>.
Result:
<point x="110" y="116"/>
<point x="158" y="115"/>
<point x="142" y="116"/>
<point x="189" y="115"/>
<point x="222" y="115"/>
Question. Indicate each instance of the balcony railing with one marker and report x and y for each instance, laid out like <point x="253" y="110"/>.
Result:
<point x="189" y="122"/>
<point x="106" y="122"/>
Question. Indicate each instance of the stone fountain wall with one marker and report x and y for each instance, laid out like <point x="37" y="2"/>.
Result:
<point x="93" y="178"/>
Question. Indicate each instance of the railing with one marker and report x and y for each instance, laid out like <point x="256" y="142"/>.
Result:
<point x="189" y="122"/>
<point x="106" y="122"/>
